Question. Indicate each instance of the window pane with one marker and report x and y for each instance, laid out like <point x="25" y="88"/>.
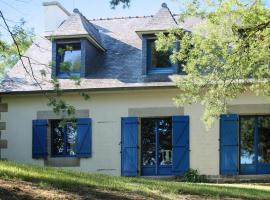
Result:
<point x="70" y="58"/>
<point x="58" y="143"/>
<point x="148" y="142"/>
<point x="71" y="139"/>
<point x="264" y="139"/>
<point x="159" y="59"/>
<point x="247" y="125"/>
<point x="165" y="141"/>
<point x="63" y="139"/>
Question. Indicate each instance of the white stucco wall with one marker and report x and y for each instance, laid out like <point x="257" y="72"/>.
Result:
<point x="106" y="110"/>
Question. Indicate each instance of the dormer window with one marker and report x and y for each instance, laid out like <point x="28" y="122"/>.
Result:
<point x="76" y="47"/>
<point x="153" y="61"/>
<point x="158" y="61"/>
<point x="68" y="59"/>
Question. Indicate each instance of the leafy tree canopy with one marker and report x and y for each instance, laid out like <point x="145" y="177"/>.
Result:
<point x="8" y="51"/>
<point x="226" y="55"/>
<point x="115" y="3"/>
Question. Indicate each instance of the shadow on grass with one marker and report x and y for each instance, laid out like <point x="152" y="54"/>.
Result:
<point x="85" y="190"/>
<point x="110" y="187"/>
<point x="12" y="194"/>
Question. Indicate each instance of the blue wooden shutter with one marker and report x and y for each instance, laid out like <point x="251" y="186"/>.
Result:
<point x="129" y="146"/>
<point x="229" y="144"/>
<point x="84" y="138"/>
<point x="180" y="141"/>
<point x="39" y="138"/>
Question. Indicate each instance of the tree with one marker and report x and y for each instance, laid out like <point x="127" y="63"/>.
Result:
<point x="228" y="54"/>
<point x="115" y="3"/>
<point x="8" y="51"/>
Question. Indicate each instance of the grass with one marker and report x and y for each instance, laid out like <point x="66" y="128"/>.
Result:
<point x="104" y="186"/>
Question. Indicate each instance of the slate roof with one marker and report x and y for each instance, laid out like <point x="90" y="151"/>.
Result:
<point x="121" y="65"/>
<point x="77" y="25"/>
<point x="162" y="20"/>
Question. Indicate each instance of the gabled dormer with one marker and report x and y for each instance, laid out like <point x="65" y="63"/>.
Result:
<point x="76" y="47"/>
<point x="153" y="61"/>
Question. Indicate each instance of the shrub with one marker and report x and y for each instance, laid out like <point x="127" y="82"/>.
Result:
<point x="193" y="176"/>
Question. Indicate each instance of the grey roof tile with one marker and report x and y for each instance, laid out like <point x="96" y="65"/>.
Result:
<point x="121" y="66"/>
<point x="77" y="24"/>
<point x="162" y="20"/>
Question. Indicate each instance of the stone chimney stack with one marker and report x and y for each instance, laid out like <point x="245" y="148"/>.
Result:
<point x="54" y="15"/>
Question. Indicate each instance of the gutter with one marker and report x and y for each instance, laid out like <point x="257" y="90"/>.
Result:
<point x="89" y="90"/>
<point x="91" y="39"/>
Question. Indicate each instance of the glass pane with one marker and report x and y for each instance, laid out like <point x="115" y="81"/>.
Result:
<point x="165" y="141"/>
<point x="58" y="143"/>
<point x="148" y="142"/>
<point x="247" y="125"/>
<point x="74" y="57"/>
<point x="159" y="59"/>
<point x="71" y="139"/>
<point x="70" y="58"/>
<point x="264" y="139"/>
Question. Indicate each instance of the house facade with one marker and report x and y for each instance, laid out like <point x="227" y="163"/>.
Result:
<point x="130" y="125"/>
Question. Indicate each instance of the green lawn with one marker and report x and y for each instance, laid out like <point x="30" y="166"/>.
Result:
<point x="102" y="185"/>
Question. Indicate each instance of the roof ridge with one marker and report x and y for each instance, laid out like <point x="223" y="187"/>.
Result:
<point x="124" y="17"/>
<point x="88" y="21"/>
<point x="172" y="15"/>
<point x="129" y="17"/>
<point x="165" y="7"/>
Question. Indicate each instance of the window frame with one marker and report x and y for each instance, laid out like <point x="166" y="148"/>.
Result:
<point x="58" y="60"/>
<point x="153" y="69"/>
<point x="256" y="167"/>
<point x="156" y="169"/>
<point x="65" y="154"/>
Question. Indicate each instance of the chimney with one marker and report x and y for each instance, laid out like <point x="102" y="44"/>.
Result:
<point x="54" y="15"/>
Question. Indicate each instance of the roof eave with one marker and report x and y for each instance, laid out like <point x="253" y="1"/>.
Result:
<point x="145" y="32"/>
<point x="90" y="39"/>
<point x="172" y="86"/>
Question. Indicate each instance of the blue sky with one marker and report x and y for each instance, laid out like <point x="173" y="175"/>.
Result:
<point x="32" y="10"/>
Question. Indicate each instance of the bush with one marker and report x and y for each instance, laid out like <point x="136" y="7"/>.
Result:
<point x="193" y="176"/>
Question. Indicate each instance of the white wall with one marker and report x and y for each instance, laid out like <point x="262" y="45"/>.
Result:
<point x="106" y="110"/>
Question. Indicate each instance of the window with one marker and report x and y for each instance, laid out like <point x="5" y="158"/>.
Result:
<point x="156" y="145"/>
<point x="159" y="146"/>
<point x="264" y="139"/>
<point x="69" y="59"/>
<point x="247" y="126"/>
<point x="255" y="144"/>
<point x="158" y="61"/>
<point x="63" y="139"/>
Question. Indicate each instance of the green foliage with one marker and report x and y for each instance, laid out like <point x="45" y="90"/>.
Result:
<point x="114" y="3"/>
<point x="8" y="50"/>
<point x="193" y="176"/>
<point x="93" y="183"/>
<point x="65" y="66"/>
<point x="59" y="105"/>
<point x="85" y="95"/>
<point x="225" y="56"/>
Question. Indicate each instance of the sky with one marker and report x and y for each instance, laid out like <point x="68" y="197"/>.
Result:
<point x="32" y="10"/>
